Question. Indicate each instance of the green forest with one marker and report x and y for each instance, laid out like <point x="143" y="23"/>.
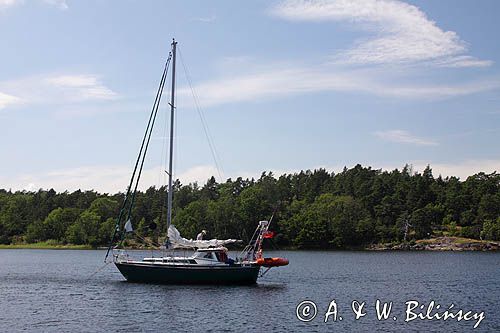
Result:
<point x="314" y="209"/>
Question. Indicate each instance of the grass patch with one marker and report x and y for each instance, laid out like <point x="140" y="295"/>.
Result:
<point x="49" y="245"/>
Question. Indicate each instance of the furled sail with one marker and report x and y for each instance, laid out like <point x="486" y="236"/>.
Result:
<point x="177" y="241"/>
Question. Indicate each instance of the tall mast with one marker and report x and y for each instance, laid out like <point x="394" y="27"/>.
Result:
<point x="172" y="109"/>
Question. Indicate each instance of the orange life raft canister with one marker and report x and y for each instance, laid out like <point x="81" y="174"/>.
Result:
<point x="272" y="262"/>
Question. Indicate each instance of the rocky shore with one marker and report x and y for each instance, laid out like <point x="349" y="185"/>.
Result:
<point x="441" y="244"/>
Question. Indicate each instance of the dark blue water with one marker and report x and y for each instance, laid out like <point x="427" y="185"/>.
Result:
<point x="50" y="291"/>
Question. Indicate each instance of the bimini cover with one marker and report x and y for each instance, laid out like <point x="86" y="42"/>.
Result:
<point x="177" y="241"/>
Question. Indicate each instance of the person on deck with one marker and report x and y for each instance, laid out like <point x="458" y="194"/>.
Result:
<point x="201" y="234"/>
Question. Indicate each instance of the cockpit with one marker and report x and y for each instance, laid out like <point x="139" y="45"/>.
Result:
<point x="212" y="255"/>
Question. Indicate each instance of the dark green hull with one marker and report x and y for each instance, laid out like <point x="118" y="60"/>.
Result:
<point x="189" y="274"/>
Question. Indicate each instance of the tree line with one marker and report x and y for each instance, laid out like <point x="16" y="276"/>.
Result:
<point x="312" y="209"/>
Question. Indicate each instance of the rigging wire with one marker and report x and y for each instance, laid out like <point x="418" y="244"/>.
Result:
<point x="126" y="199"/>
<point x="162" y="180"/>
<point x="147" y="146"/>
<point x="211" y="144"/>
<point x="162" y="168"/>
<point x="162" y="174"/>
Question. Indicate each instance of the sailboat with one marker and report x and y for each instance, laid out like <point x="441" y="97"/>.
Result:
<point x="210" y="262"/>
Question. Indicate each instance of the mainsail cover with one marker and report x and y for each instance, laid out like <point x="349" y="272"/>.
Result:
<point x="177" y="241"/>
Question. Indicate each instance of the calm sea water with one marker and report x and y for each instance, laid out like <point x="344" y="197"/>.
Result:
<point x="50" y="291"/>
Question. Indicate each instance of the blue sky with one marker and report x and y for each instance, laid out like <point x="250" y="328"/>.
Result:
<point x="283" y="86"/>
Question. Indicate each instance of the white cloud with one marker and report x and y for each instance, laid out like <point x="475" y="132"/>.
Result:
<point x="30" y="187"/>
<point x="401" y="33"/>
<point x="61" y="4"/>
<point x="55" y="90"/>
<point x="73" y="81"/>
<point x="198" y="174"/>
<point x="401" y="136"/>
<point x="9" y="3"/>
<point x="6" y="100"/>
<point x="463" y="61"/>
<point x="461" y="169"/>
<point x="4" y="4"/>
<point x="102" y="178"/>
<point x="82" y="86"/>
<point x="265" y="83"/>
<point x="113" y="179"/>
<point x="206" y="19"/>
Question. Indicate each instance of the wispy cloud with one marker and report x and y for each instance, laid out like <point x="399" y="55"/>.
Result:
<point x="205" y="19"/>
<point x="401" y="136"/>
<point x="61" y="4"/>
<point x="82" y="86"/>
<point x="4" y="4"/>
<point x="400" y="32"/>
<point x="55" y="89"/>
<point x="293" y="80"/>
<point x="6" y="100"/>
<point x="462" y="61"/>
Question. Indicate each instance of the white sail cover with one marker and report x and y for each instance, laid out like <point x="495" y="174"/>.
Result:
<point x="177" y="241"/>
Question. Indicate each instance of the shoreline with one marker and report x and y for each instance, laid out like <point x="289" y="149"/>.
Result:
<point x="432" y="244"/>
<point x="44" y="246"/>
<point x="444" y="243"/>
